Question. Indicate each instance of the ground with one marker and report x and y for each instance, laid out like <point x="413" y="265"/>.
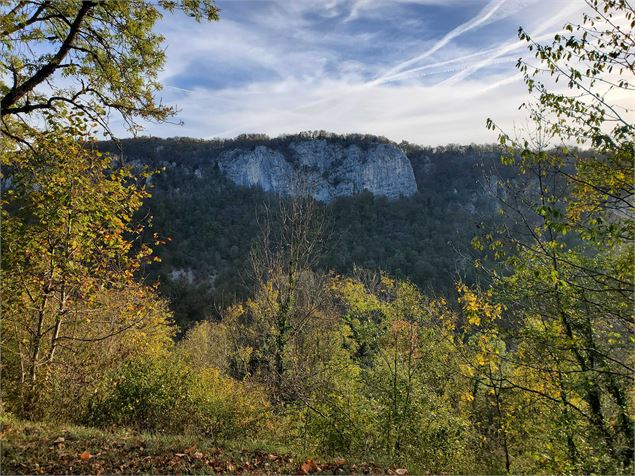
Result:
<point x="41" y="448"/>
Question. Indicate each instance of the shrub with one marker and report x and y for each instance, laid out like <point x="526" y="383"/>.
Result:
<point x="168" y="395"/>
<point x="116" y="325"/>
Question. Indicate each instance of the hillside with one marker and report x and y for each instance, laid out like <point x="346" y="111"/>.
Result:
<point x="418" y="230"/>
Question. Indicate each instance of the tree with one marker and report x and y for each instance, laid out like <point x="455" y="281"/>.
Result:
<point x="408" y="379"/>
<point x="569" y="287"/>
<point x="596" y="62"/>
<point x="290" y="296"/>
<point x="68" y="241"/>
<point x="68" y="223"/>
<point x="96" y="57"/>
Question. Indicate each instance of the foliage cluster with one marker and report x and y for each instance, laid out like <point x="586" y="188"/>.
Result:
<point x="71" y="308"/>
<point x="569" y="281"/>
<point x="367" y="369"/>
<point x="94" y="58"/>
<point x="167" y="395"/>
<point x="68" y="267"/>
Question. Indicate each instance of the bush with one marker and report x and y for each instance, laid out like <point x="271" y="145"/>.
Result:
<point x="117" y="324"/>
<point x="170" y="396"/>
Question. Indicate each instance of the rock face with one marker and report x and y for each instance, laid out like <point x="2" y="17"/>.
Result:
<point x="327" y="170"/>
<point x="262" y="167"/>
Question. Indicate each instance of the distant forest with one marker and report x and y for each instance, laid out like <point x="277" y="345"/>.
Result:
<point x="212" y="223"/>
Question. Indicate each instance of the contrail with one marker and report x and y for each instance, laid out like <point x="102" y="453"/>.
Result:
<point x="468" y="70"/>
<point x="397" y="72"/>
<point x="388" y="77"/>
<point x="484" y="15"/>
<point x="539" y="35"/>
<point x="478" y="20"/>
<point x="180" y="89"/>
<point x="511" y="79"/>
<point x="403" y="74"/>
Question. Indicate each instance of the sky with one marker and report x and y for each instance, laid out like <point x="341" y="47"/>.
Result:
<point x="426" y="71"/>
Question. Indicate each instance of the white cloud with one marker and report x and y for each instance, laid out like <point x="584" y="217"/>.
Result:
<point x="428" y="115"/>
<point x="315" y="83"/>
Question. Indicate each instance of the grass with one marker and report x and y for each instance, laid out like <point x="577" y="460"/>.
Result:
<point x="48" y="448"/>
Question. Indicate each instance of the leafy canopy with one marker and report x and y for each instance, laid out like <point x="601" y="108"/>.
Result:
<point x="97" y="57"/>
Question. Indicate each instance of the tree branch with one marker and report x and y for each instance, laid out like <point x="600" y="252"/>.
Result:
<point x="18" y="92"/>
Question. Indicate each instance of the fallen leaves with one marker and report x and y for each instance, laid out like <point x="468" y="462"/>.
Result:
<point x="130" y="453"/>
<point x="309" y="467"/>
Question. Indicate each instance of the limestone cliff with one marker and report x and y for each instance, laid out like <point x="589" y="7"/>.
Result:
<point x="327" y="169"/>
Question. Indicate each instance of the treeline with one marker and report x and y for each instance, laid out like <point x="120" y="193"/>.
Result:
<point x="200" y="152"/>
<point x="188" y="151"/>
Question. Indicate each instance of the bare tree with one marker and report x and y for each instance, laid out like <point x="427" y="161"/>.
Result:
<point x="292" y="240"/>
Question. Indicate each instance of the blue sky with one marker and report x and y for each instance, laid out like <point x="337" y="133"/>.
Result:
<point x="426" y="71"/>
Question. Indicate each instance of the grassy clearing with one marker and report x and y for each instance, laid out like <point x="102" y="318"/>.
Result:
<point x="44" y="448"/>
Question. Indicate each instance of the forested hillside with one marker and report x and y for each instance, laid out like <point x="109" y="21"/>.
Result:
<point x="213" y="224"/>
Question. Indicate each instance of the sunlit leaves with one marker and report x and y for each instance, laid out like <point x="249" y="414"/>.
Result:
<point x="68" y="228"/>
<point x="567" y="273"/>
<point x="95" y="58"/>
<point x="478" y="306"/>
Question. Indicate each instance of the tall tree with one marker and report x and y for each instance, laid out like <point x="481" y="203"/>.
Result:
<point x="282" y="263"/>
<point x="68" y="223"/>
<point x="68" y="233"/>
<point x="569" y="292"/>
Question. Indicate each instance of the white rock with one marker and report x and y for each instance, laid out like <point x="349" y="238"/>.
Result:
<point x="327" y="169"/>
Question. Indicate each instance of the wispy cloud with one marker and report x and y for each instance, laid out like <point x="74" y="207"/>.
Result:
<point x="427" y="71"/>
<point x="482" y="17"/>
